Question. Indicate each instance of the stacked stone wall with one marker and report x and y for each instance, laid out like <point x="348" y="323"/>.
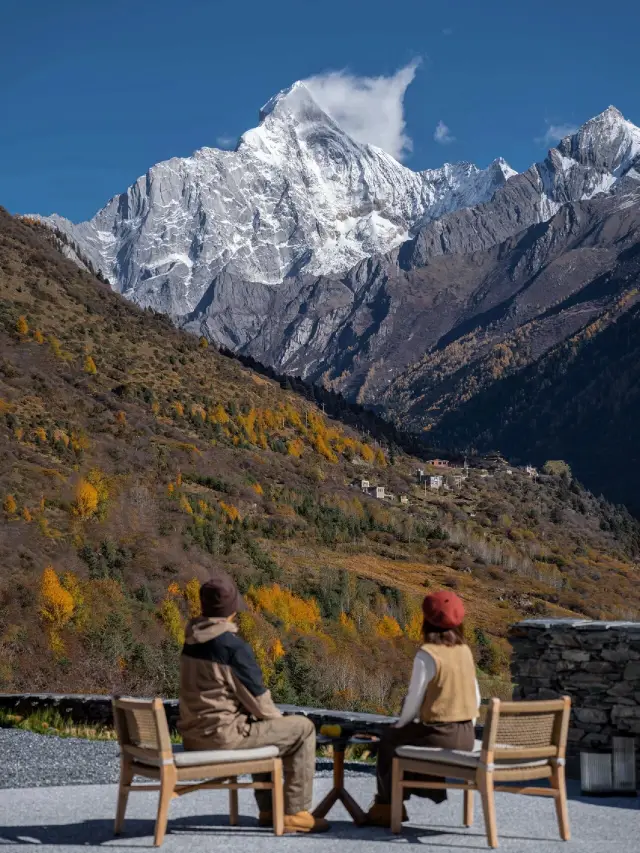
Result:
<point x="597" y="664"/>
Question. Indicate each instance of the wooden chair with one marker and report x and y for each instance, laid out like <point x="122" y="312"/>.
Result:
<point x="146" y="750"/>
<point x="522" y="741"/>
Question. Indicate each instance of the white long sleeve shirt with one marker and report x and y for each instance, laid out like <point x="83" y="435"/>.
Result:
<point x="424" y="669"/>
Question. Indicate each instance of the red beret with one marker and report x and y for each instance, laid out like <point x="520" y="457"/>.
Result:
<point x="443" y="609"/>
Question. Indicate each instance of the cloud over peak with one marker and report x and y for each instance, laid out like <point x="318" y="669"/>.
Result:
<point x="442" y="134"/>
<point x="556" y="132"/>
<point x="369" y="109"/>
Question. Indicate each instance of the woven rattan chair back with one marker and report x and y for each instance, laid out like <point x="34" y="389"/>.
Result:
<point x="141" y="725"/>
<point x="522" y="730"/>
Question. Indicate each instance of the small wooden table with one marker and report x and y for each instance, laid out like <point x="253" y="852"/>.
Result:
<point x="339" y="792"/>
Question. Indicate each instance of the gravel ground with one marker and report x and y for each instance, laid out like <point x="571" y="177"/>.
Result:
<point x="31" y="760"/>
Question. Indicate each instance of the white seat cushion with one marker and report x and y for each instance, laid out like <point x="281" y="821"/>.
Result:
<point x="201" y="757"/>
<point x="195" y="758"/>
<point x="461" y="757"/>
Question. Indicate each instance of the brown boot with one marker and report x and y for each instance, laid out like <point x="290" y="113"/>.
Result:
<point x="380" y="815"/>
<point x="305" y="822"/>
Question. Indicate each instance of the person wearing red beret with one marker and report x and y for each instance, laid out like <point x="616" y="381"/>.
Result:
<point x="442" y="702"/>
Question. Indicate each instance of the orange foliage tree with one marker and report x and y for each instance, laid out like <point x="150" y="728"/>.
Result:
<point x="10" y="505"/>
<point x="90" y="366"/>
<point x="22" y="327"/>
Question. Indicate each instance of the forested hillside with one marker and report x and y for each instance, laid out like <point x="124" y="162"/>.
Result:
<point x="135" y="460"/>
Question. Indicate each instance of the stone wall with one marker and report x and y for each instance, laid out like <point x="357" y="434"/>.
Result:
<point x="597" y="664"/>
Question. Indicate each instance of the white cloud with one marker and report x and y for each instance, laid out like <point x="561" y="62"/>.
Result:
<point x="226" y="141"/>
<point x="442" y="134"/>
<point x="556" y="132"/>
<point x="369" y="109"/>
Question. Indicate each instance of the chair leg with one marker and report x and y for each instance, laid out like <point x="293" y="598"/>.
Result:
<point x="558" y="781"/>
<point x="277" y="797"/>
<point x="468" y="807"/>
<point x="397" y="775"/>
<point x="233" y="803"/>
<point x="126" y="778"/>
<point x="485" y="784"/>
<point x="167" y="787"/>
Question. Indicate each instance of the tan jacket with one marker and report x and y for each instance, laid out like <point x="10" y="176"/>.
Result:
<point x="221" y="686"/>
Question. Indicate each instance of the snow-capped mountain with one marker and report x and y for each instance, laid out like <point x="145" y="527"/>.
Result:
<point x="297" y="194"/>
<point x="328" y="258"/>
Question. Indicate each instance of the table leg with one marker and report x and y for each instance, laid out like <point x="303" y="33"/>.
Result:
<point x="338" y="792"/>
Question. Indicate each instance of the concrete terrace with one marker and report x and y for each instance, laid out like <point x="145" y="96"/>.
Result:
<point x="64" y="818"/>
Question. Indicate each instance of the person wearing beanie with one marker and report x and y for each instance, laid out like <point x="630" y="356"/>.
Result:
<point x="442" y="702"/>
<point x="225" y="705"/>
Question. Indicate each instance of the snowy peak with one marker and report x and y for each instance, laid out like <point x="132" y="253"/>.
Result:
<point x="607" y="142"/>
<point x="295" y="102"/>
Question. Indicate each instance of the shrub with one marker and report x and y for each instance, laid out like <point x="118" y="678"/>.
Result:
<point x="22" y="327"/>
<point x="90" y="366"/>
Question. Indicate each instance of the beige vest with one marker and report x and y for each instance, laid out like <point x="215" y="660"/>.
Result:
<point x="451" y="695"/>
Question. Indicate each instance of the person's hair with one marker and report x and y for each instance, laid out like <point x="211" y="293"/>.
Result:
<point x="443" y="636"/>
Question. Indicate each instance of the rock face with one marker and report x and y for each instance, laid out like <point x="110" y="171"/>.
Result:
<point x="596" y="663"/>
<point x="297" y="194"/>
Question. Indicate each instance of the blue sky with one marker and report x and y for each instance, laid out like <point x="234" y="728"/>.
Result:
<point x="92" y="94"/>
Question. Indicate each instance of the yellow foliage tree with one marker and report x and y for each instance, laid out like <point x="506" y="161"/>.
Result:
<point x="381" y="459"/>
<point x="22" y="327"/>
<point x="27" y="515"/>
<point x="413" y="628"/>
<point x="219" y="415"/>
<point x="90" y="366"/>
<point x="203" y="343"/>
<point x="388" y="628"/>
<point x="185" y="506"/>
<point x="230" y="511"/>
<point x="41" y="435"/>
<point x="179" y="479"/>
<point x="38" y="337"/>
<point x="347" y="623"/>
<point x="56" y="603"/>
<point x="192" y="596"/>
<point x="121" y="418"/>
<point x="10" y="505"/>
<point x="257" y="488"/>
<point x="86" y="502"/>
<point x="170" y="489"/>
<point x="295" y="447"/>
<point x="172" y="620"/>
<point x="292" y="611"/>
<point x="178" y="408"/>
<point x="367" y="453"/>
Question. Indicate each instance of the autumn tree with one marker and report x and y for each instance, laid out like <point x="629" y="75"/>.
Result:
<point x="86" y="502"/>
<point x="38" y="337"/>
<point x="192" y="596"/>
<point x="203" y="343"/>
<point x="10" y="505"/>
<point x="172" y="620"/>
<point x="22" y="327"/>
<point x="90" y="366"/>
<point x="56" y="607"/>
